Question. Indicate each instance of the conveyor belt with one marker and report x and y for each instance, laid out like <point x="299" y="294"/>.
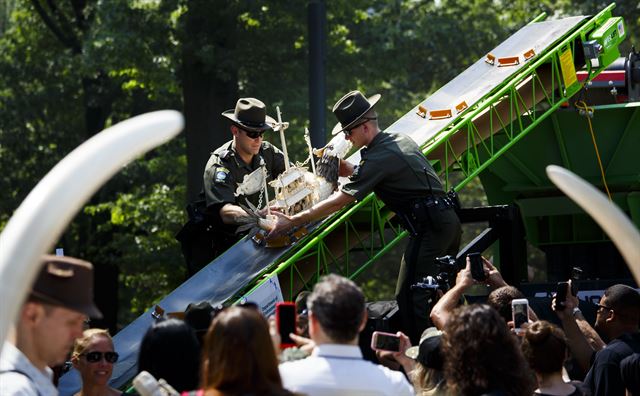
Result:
<point x="238" y="267"/>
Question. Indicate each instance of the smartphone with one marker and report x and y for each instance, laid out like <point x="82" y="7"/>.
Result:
<point x="385" y="342"/>
<point x="286" y="322"/>
<point x="576" y="275"/>
<point x="561" y="295"/>
<point x="520" y="312"/>
<point x="477" y="267"/>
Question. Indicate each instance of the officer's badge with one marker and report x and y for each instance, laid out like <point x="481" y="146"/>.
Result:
<point x="221" y="175"/>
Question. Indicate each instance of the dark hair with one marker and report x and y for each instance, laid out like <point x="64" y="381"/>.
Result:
<point x="545" y="347"/>
<point x="338" y="305"/>
<point x="238" y="355"/>
<point x="500" y="300"/>
<point x="301" y="301"/>
<point x="625" y="300"/>
<point x="629" y="369"/>
<point x="481" y="354"/>
<point x="170" y="350"/>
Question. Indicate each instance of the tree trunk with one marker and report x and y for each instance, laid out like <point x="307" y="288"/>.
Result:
<point x="206" y="94"/>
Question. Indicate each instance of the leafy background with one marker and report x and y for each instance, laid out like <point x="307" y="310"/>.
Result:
<point x="70" y="68"/>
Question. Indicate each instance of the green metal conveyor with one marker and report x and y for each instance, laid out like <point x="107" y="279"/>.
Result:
<point x="464" y="127"/>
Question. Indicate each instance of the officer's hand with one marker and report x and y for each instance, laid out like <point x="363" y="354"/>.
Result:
<point x="273" y="209"/>
<point x="346" y="168"/>
<point x="494" y="278"/>
<point x="283" y="224"/>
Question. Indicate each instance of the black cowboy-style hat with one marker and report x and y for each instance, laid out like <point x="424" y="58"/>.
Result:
<point x="67" y="282"/>
<point x="250" y="114"/>
<point x="199" y="316"/>
<point x="351" y="108"/>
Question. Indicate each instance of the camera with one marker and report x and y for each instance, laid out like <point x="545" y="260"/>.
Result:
<point x="447" y="267"/>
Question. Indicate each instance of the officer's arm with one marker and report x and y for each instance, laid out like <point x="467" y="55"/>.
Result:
<point x="335" y="202"/>
<point x="322" y="209"/>
<point x="231" y="214"/>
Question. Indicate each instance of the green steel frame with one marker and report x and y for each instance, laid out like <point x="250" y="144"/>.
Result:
<point x="367" y="226"/>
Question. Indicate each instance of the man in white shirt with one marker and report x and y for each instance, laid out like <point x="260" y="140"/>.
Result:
<point x="337" y="314"/>
<point x="48" y="324"/>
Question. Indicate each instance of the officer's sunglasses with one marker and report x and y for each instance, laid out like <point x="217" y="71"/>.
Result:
<point x="253" y="134"/>
<point x="348" y="132"/>
<point x="95" y="357"/>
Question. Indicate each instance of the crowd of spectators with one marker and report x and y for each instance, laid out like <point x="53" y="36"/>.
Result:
<point x="471" y="350"/>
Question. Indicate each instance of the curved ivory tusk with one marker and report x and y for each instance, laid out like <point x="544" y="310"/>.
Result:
<point x="45" y="213"/>
<point x="612" y="220"/>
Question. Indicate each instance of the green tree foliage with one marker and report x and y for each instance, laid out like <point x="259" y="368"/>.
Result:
<point x="71" y="68"/>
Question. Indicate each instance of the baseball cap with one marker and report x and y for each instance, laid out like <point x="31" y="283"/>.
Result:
<point x="429" y="351"/>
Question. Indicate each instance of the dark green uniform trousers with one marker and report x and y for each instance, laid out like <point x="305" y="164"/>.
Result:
<point x="434" y="240"/>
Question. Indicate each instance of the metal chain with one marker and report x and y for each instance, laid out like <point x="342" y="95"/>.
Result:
<point x="260" y="198"/>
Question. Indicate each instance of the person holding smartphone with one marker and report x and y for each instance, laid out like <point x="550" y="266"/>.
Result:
<point x="337" y="314"/>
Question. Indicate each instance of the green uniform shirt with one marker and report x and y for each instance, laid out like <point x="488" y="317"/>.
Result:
<point x="225" y="170"/>
<point x="396" y="170"/>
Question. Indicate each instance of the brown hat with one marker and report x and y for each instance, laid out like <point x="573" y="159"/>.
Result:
<point x="250" y="114"/>
<point x="351" y="108"/>
<point x="67" y="282"/>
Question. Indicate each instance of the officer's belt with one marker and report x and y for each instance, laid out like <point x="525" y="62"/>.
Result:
<point x="418" y="215"/>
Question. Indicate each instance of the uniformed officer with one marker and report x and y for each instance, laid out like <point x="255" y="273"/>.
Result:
<point x="224" y="171"/>
<point x="392" y="166"/>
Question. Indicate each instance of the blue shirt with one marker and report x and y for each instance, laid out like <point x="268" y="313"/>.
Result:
<point x="19" y="377"/>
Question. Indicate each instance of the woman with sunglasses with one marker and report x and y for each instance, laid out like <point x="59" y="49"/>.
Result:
<point x="93" y="356"/>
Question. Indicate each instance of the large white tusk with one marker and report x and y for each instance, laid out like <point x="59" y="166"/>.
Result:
<point x="42" y="217"/>
<point x="612" y="220"/>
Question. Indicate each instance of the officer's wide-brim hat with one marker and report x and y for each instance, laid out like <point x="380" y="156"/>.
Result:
<point x="199" y="316"/>
<point x="250" y="114"/>
<point x="429" y="352"/>
<point x="66" y="282"/>
<point x="351" y="108"/>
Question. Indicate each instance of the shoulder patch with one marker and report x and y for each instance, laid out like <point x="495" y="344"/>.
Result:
<point x="221" y="174"/>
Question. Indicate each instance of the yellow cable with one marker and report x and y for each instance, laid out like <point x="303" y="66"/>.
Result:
<point x="588" y="112"/>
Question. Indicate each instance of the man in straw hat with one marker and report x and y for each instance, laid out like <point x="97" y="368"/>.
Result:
<point x="393" y="167"/>
<point x="49" y="321"/>
<point x="216" y="216"/>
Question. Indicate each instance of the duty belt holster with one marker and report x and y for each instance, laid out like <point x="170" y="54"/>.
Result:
<point x="424" y="213"/>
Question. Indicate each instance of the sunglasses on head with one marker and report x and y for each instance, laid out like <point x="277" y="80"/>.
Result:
<point x="95" y="357"/>
<point x="253" y="134"/>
